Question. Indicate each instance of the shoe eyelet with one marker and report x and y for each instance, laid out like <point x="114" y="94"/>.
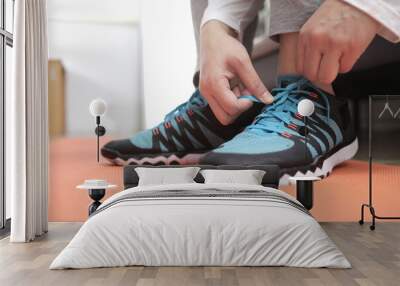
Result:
<point x="299" y="116"/>
<point x="286" y="134"/>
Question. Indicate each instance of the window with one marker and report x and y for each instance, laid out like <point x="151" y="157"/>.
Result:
<point x="6" y="43"/>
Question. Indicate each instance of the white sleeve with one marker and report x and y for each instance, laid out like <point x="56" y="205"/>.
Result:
<point x="237" y="14"/>
<point x="385" y="12"/>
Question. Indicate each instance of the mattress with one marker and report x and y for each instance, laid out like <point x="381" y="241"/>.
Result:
<point x="201" y="225"/>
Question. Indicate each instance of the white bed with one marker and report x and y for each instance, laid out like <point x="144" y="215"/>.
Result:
<point x="221" y="225"/>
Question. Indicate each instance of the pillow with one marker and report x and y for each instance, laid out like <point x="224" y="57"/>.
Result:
<point x="162" y="176"/>
<point x="248" y="177"/>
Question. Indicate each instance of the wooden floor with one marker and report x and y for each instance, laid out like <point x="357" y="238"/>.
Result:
<point x="375" y="257"/>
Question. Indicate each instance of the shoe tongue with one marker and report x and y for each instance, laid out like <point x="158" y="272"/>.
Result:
<point x="304" y="85"/>
<point x="285" y="80"/>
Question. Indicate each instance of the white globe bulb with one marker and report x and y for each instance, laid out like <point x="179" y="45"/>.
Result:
<point x="98" y="107"/>
<point x="305" y="107"/>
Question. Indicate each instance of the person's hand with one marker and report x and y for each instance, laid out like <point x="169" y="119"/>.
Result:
<point x="223" y="59"/>
<point x="332" y="40"/>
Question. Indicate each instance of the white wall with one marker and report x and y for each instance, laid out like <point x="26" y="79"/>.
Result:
<point x="110" y="11"/>
<point x="98" y="42"/>
<point x="169" y="56"/>
<point x="139" y="55"/>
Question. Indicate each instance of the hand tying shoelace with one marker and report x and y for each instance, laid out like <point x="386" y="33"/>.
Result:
<point x="277" y="134"/>
<point x="274" y="117"/>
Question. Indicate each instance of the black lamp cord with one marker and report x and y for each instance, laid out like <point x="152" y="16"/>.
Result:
<point x="305" y="137"/>
<point x="98" y="138"/>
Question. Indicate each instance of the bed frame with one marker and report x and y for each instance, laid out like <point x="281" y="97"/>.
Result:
<point x="270" y="179"/>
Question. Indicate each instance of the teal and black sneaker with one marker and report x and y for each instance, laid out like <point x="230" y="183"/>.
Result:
<point x="186" y="133"/>
<point x="277" y="136"/>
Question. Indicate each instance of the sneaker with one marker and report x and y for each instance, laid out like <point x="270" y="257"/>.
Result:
<point x="187" y="132"/>
<point x="277" y="135"/>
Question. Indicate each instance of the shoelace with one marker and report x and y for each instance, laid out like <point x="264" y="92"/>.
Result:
<point x="274" y="117"/>
<point x="196" y="100"/>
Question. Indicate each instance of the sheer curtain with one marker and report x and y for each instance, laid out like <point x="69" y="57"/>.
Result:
<point x="27" y="135"/>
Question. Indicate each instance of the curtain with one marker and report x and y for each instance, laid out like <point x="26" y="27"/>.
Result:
<point x="27" y="123"/>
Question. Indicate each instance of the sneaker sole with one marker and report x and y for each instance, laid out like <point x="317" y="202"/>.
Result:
<point x="324" y="167"/>
<point x="171" y="159"/>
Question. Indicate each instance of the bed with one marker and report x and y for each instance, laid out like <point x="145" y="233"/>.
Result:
<point x="198" y="224"/>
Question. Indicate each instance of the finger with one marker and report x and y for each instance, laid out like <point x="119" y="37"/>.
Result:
<point x="329" y="67"/>
<point x="223" y="117"/>
<point x="245" y="92"/>
<point x="312" y="62"/>
<point x="207" y="90"/>
<point x="347" y="62"/>
<point x="228" y="100"/>
<point x="300" y="55"/>
<point x="245" y="103"/>
<point x="248" y="75"/>
<point x="241" y="91"/>
<point x="236" y="91"/>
